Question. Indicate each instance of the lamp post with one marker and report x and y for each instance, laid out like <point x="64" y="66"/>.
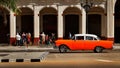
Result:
<point x="86" y="4"/>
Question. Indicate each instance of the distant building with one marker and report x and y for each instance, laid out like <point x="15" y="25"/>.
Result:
<point x="61" y="17"/>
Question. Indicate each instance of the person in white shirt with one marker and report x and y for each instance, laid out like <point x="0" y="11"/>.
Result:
<point x="18" y="38"/>
<point x="43" y="38"/>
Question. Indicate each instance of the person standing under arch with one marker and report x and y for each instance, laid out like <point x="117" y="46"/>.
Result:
<point x="43" y="37"/>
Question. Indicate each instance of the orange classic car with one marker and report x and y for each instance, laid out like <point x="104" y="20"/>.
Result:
<point x="83" y="42"/>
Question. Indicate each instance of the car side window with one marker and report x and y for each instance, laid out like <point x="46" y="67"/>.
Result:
<point x="79" y="37"/>
<point x="89" y="38"/>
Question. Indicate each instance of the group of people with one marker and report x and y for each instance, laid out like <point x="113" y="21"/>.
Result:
<point x="23" y="39"/>
<point x="47" y="39"/>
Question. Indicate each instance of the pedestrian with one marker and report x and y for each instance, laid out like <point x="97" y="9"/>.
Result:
<point x="18" y="38"/>
<point x="53" y="38"/>
<point x="24" y="38"/>
<point x="43" y="37"/>
<point x="40" y="38"/>
<point x="70" y="35"/>
<point x="28" y="38"/>
<point x="47" y="39"/>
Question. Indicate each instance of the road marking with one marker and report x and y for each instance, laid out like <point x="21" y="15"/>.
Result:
<point x="104" y="60"/>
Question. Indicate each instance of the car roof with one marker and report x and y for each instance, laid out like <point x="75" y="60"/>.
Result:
<point x="86" y="35"/>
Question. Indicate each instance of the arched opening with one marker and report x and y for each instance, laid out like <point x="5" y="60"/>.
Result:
<point x="4" y="25"/>
<point x="25" y="21"/>
<point x="48" y="20"/>
<point x="117" y="21"/>
<point x="94" y="25"/>
<point x="71" y="24"/>
<point x="95" y="21"/>
<point x="71" y="21"/>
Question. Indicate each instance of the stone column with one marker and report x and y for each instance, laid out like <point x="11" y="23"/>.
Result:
<point x="83" y="21"/>
<point x="36" y="26"/>
<point x="110" y="20"/>
<point x="12" y="28"/>
<point x="60" y="22"/>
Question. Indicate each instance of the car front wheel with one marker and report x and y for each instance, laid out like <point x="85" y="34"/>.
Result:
<point x="63" y="49"/>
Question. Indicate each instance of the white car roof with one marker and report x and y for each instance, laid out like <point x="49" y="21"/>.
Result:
<point x="86" y="35"/>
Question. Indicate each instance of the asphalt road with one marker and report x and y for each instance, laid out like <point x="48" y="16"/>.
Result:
<point x="79" y="59"/>
<point x="61" y="65"/>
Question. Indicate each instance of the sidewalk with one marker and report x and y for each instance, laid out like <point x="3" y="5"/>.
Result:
<point x="9" y="48"/>
<point x="33" y="53"/>
<point x="116" y="46"/>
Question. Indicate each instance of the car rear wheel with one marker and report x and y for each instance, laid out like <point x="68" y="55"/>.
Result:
<point x="63" y="49"/>
<point x="98" y="49"/>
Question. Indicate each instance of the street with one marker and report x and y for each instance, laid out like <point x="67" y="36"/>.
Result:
<point x="61" y="65"/>
<point x="76" y="59"/>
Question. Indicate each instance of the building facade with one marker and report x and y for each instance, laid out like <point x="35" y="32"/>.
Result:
<point x="64" y="16"/>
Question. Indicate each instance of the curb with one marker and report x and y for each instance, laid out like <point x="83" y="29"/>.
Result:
<point x="39" y="59"/>
<point x="20" y="60"/>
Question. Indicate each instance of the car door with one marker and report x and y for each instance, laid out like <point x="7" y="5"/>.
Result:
<point x="89" y="43"/>
<point x="79" y="42"/>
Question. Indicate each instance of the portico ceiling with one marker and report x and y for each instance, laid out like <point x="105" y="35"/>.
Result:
<point x="51" y="2"/>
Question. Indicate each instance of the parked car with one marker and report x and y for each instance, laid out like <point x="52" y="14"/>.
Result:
<point x="83" y="42"/>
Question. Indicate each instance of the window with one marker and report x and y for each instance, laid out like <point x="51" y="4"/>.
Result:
<point x="79" y="37"/>
<point x="90" y="38"/>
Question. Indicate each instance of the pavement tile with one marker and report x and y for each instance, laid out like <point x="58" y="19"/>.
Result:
<point x="24" y="57"/>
